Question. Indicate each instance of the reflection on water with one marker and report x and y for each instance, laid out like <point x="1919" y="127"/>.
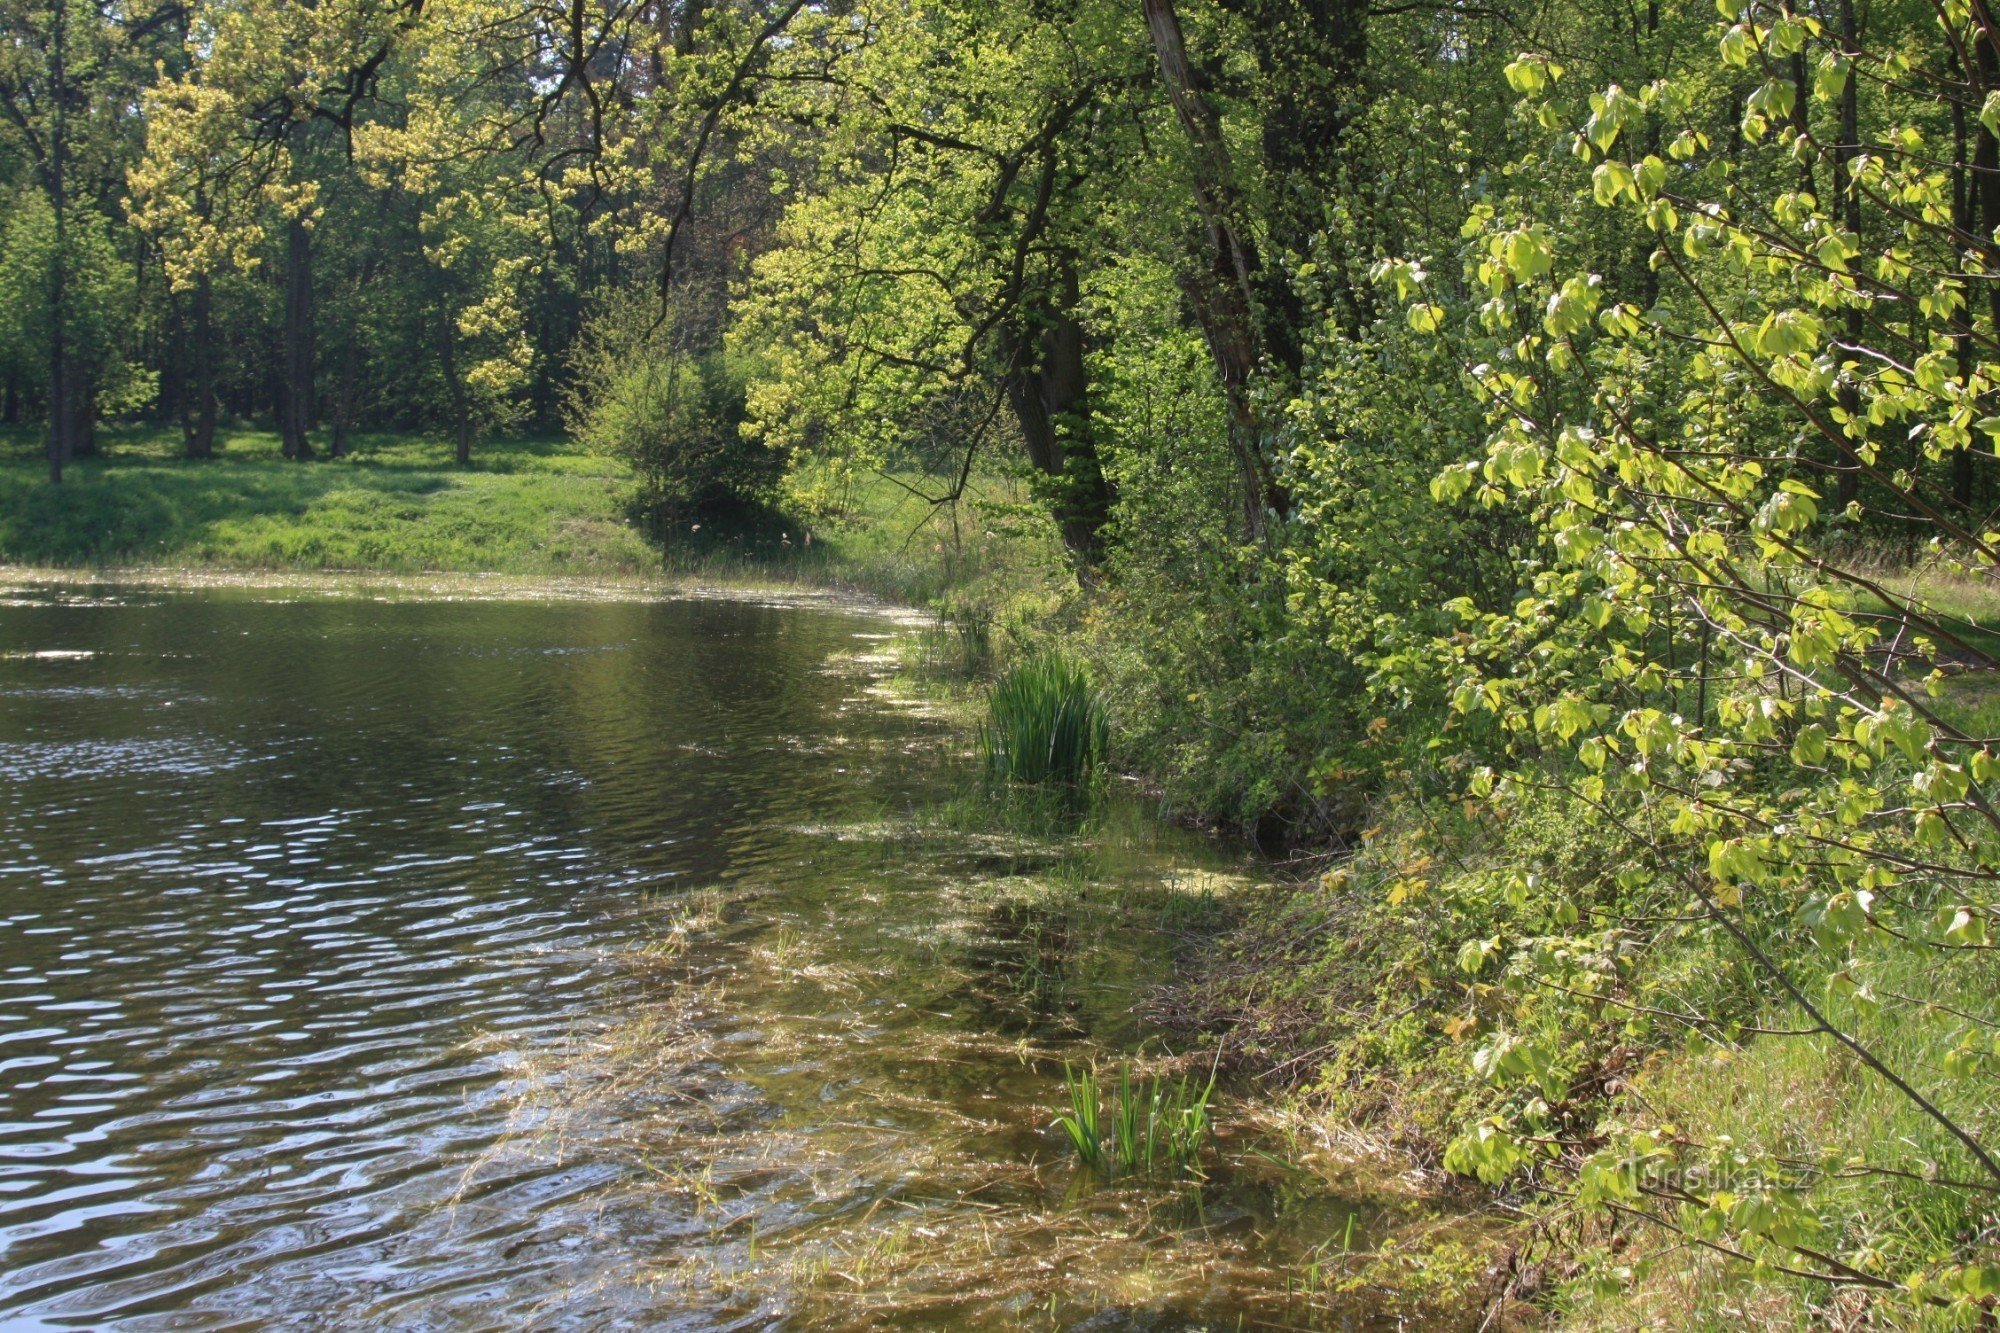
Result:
<point x="461" y="962"/>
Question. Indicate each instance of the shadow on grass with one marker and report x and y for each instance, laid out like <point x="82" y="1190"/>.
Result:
<point x="151" y="445"/>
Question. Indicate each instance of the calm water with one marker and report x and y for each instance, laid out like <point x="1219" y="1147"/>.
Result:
<point x="460" y="963"/>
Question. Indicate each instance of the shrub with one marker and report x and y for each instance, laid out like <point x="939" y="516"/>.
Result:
<point x="647" y="394"/>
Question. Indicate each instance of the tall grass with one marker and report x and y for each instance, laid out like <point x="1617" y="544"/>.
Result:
<point x="1154" y="1124"/>
<point x="1047" y="725"/>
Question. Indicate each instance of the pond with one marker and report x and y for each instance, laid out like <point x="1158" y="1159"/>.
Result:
<point x="479" y="962"/>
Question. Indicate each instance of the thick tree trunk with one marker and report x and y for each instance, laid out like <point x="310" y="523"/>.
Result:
<point x="1048" y="388"/>
<point x="1962" y="217"/>
<point x="1038" y="435"/>
<point x="297" y="405"/>
<point x="82" y="419"/>
<point x="10" y="402"/>
<point x="679" y="19"/>
<point x="199" y="431"/>
<point x="1311" y="54"/>
<point x="343" y="396"/>
<point x="171" y="356"/>
<point x="59" y="413"/>
<point x="350" y="349"/>
<point x="59" y="387"/>
<point x="1983" y="191"/>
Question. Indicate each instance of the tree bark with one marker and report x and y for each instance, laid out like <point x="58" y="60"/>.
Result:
<point x="461" y="401"/>
<point x="1311" y="55"/>
<point x="1983" y="191"/>
<point x="296" y="426"/>
<point x="170" y="354"/>
<point x="199" y="432"/>
<point x="1963" y="203"/>
<point x="343" y="396"/>
<point x="82" y="418"/>
<point x="679" y="20"/>
<point x="59" y="388"/>
<point x="1847" y="485"/>
<point x="350" y="347"/>
<point x="1048" y="388"/>
<point x="1220" y="288"/>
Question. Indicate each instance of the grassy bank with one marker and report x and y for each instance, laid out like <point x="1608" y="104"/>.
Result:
<point x="1392" y="992"/>
<point x="530" y="507"/>
<point x="398" y="503"/>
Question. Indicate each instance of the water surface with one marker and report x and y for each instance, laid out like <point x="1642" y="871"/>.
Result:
<point x="467" y="963"/>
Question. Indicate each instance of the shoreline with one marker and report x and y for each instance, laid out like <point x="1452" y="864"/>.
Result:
<point x="1342" y="1151"/>
<point x="458" y="585"/>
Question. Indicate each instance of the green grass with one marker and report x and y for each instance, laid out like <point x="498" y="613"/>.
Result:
<point x="533" y="506"/>
<point x="530" y="507"/>
<point x="993" y="558"/>
<point x="1964" y="602"/>
<point x="957" y="643"/>
<point x="1808" y="1101"/>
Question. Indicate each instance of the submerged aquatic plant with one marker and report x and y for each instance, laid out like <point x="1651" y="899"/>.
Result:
<point x="1154" y="1123"/>
<point x="1047" y="724"/>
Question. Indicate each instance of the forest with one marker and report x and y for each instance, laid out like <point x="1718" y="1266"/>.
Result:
<point x="1529" y="466"/>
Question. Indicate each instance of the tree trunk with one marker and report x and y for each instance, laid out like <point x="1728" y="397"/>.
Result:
<point x="1311" y="55"/>
<point x="199" y="432"/>
<point x="170" y="355"/>
<point x="1847" y="486"/>
<point x="1962" y="218"/>
<point x="1024" y="395"/>
<point x="1048" y="388"/>
<point x="1983" y="193"/>
<point x="59" y="391"/>
<point x="296" y="407"/>
<point x="10" y="402"/>
<point x="350" y="348"/>
<point x="679" y="20"/>
<point x="461" y="404"/>
<point x="1220" y="288"/>
<point x="343" y="396"/>
<point x="82" y="418"/>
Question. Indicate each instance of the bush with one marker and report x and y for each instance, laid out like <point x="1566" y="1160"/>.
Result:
<point x="649" y="394"/>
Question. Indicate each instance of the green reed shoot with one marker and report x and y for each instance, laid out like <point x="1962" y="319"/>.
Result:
<point x="1047" y="724"/>
<point x="958" y="641"/>
<point x="1153" y="1123"/>
<point x="1080" y="1123"/>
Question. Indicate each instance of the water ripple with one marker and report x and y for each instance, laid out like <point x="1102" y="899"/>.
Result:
<point x="278" y="952"/>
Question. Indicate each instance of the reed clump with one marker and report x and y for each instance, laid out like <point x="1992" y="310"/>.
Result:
<point x="958" y="642"/>
<point x="1143" y="1126"/>
<point x="1047" y="725"/>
